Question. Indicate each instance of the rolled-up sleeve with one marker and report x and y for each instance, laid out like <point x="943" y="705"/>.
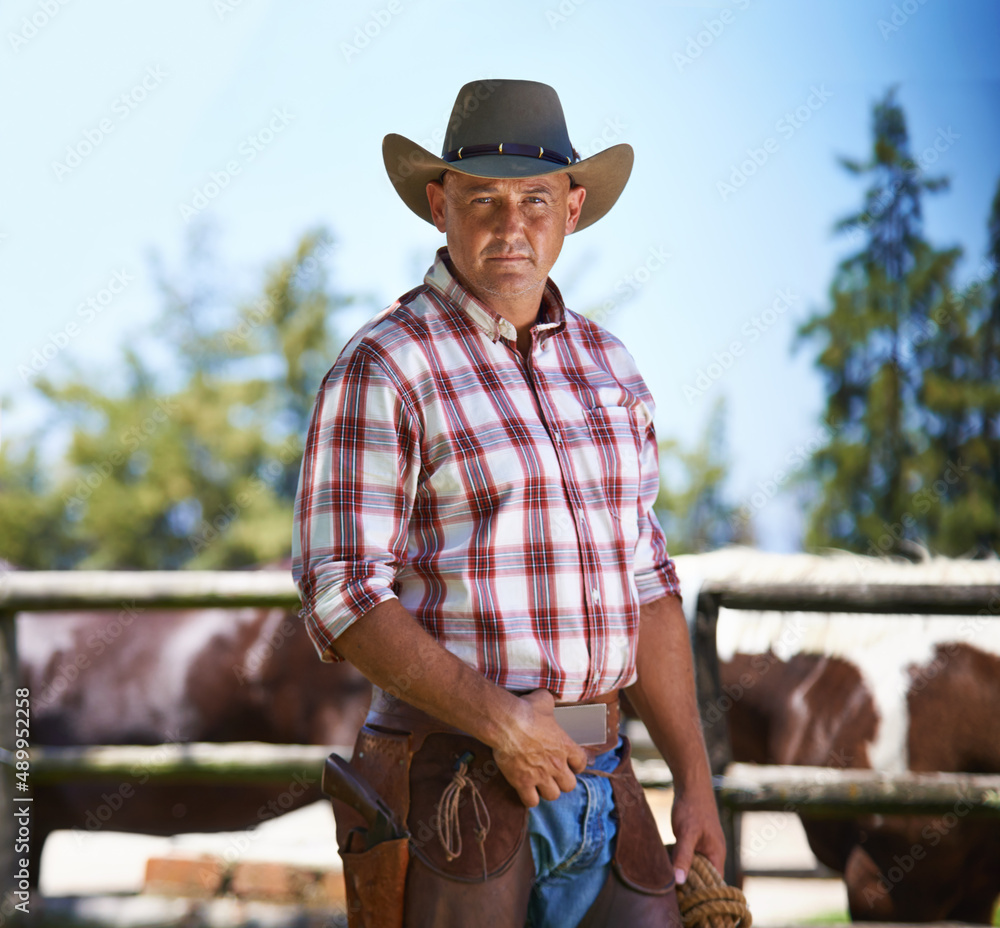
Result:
<point x="654" y="571"/>
<point x="355" y="496"/>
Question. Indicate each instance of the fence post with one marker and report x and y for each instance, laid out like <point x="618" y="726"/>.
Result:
<point x="8" y="824"/>
<point x="714" y="718"/>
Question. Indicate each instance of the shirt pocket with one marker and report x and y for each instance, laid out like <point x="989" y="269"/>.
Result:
<point x="613" y="460"/>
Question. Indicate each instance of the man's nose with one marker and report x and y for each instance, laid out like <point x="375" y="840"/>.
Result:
<point x="508" y="221"/>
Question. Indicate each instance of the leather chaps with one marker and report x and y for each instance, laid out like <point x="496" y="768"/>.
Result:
<point x="410" y="759"/>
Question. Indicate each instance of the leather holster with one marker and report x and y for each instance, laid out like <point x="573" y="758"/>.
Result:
<point x="409" y="758"/>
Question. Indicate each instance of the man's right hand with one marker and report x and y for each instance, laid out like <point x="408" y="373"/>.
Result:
<point x="535" y="755"/>
<point x="532" y="751"/>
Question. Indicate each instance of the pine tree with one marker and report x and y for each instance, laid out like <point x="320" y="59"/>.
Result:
<point x="959" y="494"/>
<point x="881" y="305"/>
<point x="989" y="373"/>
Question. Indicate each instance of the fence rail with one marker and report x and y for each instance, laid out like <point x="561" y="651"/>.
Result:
<point x="243" y="762"/>
<point x="738" y="788"/>
<point x="825" y="791"/>
<point x="43" y="590"/>
<point x="884" y="598"/>
<point x="828" y="795"/>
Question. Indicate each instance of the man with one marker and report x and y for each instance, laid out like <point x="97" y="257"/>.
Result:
<point x="475" y="533"/>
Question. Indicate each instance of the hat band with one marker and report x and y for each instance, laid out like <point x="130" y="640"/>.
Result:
<point x="509" y="148"/>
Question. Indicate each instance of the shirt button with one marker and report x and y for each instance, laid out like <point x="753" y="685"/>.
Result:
<point x="556" y="437"/>
<point x="596" y="594"/>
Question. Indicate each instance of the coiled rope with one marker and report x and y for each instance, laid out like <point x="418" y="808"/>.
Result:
<point x="707" y="902"/>
<point x="448" y="828"/>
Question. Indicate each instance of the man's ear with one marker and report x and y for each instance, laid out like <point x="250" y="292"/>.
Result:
<point x="574" y="199"/>
<point x="438" y="203"/>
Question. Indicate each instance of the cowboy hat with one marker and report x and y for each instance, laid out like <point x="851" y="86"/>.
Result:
<point x="507" y="129"/>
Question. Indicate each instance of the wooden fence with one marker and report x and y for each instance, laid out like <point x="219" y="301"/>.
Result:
<point x="825" y="791"/>
<point x="201" y="763"/>
<point x="739" y="788"/>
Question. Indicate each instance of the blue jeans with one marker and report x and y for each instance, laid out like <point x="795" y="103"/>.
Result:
<point x="572" y="842"/>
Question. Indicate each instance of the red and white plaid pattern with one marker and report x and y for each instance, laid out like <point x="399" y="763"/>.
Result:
<point x="507" y="504"/>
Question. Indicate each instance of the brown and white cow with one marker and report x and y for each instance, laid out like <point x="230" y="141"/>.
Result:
<point x="152" y="677"/>
<point x="889" y="693"/>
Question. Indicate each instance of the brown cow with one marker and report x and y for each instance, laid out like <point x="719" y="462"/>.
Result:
<point x="909" y="693"/>
<point x="152" y="677"/>
<point x="816" y="710"/>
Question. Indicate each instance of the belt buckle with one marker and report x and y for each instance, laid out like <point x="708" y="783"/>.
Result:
<point x="586" y="725"/>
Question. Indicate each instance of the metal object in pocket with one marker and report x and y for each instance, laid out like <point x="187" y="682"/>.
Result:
<point x="586" y="725"/>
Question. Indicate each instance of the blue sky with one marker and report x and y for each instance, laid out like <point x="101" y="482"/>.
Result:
<point x="170" y="94"/>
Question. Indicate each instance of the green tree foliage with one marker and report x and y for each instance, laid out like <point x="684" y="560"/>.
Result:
<point x="960" y="465"/>
<point x="32" y="517"/>
<point x="691" y="504"/>
<point x="900" y="352"/>
<point x="194" y="460"/>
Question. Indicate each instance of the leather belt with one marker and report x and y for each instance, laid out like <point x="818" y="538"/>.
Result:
<point x="391" y="712"/>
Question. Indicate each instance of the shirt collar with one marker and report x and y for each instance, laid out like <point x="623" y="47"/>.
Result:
<point x="441" y="277"/>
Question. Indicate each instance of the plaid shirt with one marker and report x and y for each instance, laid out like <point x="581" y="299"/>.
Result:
<point x="506" y="503"/>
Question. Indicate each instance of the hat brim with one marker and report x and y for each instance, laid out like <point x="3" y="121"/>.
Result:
<point x="411" y="167"/>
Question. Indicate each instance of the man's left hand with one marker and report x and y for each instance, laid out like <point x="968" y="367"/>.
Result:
<point x="664" y="696"/>
<point x="695" y="821"/>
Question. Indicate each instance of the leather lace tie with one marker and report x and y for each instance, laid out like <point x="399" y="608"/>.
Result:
<point x="448" y="828"/>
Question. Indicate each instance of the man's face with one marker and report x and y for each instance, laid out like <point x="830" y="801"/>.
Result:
<point x="504" y="234"/>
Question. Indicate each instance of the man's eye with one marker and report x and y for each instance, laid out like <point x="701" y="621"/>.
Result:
<point x="483" y="200"/>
